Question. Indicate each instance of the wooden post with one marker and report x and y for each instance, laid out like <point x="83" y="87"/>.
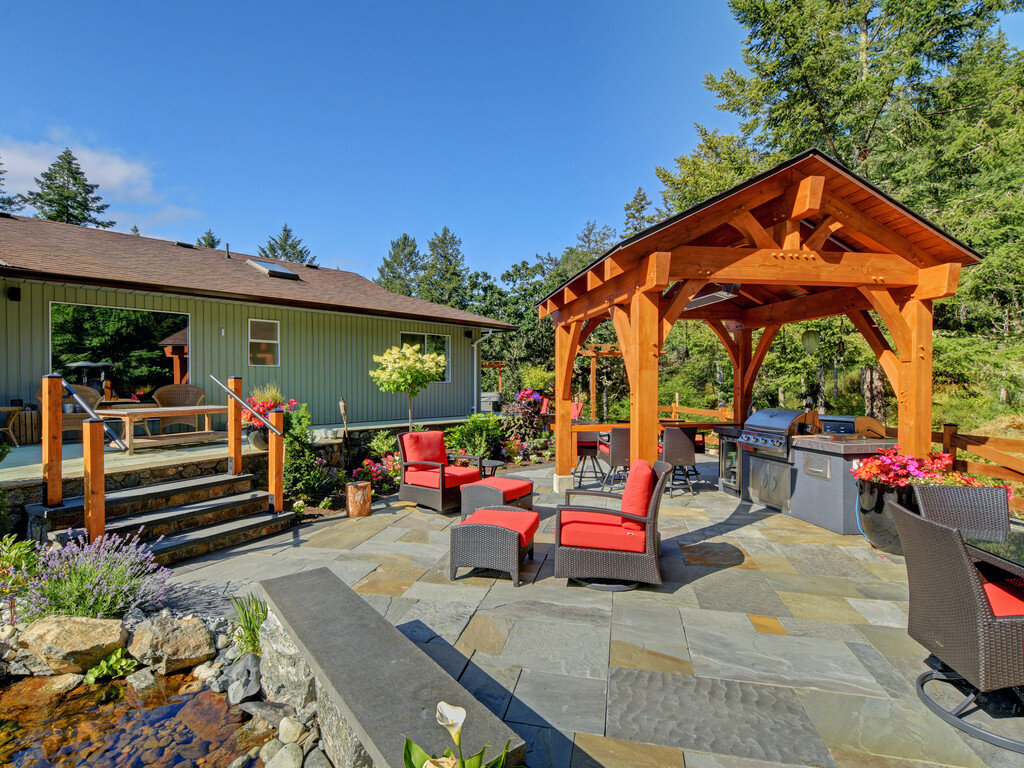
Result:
<point x="915" y="395"/>
<point x="593" y="388"/>
<point x="358" y="497"/>
<point x="275" y="461"/>
<point x="740" y="397"/>
<point x="235" y="427"/>
<point x="108" y="390"/>
<point x="644" y="327"/>
<point x="52" y="418"/>
<point x="94" y="478"/>
<point x="567" y="344"/>
<point x="948" y="433"/>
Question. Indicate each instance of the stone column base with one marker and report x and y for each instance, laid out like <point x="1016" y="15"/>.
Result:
<point x="563" y="483"/>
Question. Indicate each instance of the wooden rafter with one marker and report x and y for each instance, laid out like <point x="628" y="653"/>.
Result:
<point x="767" y="336"/>
<point x="726" y="338"/>
<point x="873" y="335"/>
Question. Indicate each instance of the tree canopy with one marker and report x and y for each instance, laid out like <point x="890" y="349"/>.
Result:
<point x="8" y="203"/>
<point x="64" y="194"/>
<point x="287" y="247"/>
<point x="210" y="240"/>
<point x="407" y="369"/>
<point x="401" y="268"/>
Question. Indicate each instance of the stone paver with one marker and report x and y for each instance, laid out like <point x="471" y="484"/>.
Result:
<point x="771" y="643"/>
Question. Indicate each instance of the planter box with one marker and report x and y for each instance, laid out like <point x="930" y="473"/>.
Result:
<point x="875" y="520"/>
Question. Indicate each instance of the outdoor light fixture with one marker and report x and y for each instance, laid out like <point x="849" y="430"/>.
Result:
<point x="712" y="293"/>
<point x="810" y="340"/>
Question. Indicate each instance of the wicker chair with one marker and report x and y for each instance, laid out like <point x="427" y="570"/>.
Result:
<point x="73" y="421"/>
<point x="615" y="451"/>
<point x="972" y="620"/>
<point x="428" y="477"/>
<point x="679" y="450"/>
<point x="621" y="544"/>
<point x="176" y="396"/>
<point x="981" y="513"/>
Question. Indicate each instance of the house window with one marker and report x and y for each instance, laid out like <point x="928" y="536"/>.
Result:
<point x="428" y="343"/>
<point x="264" y="342"/>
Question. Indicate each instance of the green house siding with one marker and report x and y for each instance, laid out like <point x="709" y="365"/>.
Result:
<point x="324" y="356"/>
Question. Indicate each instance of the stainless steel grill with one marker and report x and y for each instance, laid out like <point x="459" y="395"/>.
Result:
<point x="767" y="432"/>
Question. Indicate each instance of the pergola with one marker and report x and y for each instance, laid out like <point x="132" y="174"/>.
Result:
<point x="805" y="240"/>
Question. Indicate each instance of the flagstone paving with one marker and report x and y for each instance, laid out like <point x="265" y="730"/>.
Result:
<point x="771" y="643"/>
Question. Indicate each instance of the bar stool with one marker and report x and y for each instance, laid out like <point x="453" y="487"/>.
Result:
<point x="586" y="450"/>
<point x="615" y="451"/>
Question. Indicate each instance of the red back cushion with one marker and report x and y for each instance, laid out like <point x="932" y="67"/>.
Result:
<point x="1005" y="598"/>
<point x="636" y="496"/>
<point x="424" y="446"/>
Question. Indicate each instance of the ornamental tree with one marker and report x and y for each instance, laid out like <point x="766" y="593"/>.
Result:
<point x="406" y="369"/>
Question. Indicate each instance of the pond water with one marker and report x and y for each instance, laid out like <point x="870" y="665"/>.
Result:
<point x="110" y="726"/>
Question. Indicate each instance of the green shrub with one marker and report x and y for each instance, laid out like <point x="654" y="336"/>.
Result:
<point x="306" y="475"/>
<point x="383" y="443"/>
<point x="479" y="436"/>
<point x="17" y="565"/>
<point x="536" y="377"/>
<point x="5" y="512"/>
<point x="252" y="612"/>
<point x="116" y="665"/>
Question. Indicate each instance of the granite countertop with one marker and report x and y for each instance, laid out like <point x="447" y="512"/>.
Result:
<point x="729" y="431"/>
<point x="842" y="445"/>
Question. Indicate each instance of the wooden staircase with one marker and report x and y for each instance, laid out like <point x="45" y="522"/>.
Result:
<point x="181" y="518"/>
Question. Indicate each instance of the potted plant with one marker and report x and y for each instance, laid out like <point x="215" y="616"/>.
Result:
<point x="263" y="400"/>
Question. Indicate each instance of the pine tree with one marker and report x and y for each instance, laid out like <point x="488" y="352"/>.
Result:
<point x="65" y="194"/>
<point x="209" y="240"/>
<point x="637" y="218"/>
<point x="444" y="277"/>
<point x="402" y="266"/>
<point x="134" y="231"/>
<point x="8" y="203"/>
<point x="287" y="247"/>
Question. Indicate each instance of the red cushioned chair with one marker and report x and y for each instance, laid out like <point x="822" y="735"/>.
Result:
<point x="428" y="476"/>
<point x="969" y="615"/>
<point x="621" y="544"/>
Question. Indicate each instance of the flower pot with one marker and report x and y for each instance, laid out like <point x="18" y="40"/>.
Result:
<point x="875" y="521"/>
<point x="258" y="438"/>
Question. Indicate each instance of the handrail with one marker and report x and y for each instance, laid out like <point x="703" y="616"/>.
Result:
<point x="92" y="414"/>
<point x="247" y="407"/>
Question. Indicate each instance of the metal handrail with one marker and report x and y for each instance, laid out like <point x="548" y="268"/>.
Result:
<point x="92" y="414"/>
<point x="247" y="407"/>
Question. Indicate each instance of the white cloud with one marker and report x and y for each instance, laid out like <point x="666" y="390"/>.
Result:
<point x="150" y="222"/>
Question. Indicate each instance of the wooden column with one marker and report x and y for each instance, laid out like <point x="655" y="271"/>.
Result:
<point x="108" y="389"/>
<point x="94" y="478"/>
<point x="948" y="433"/>
<point x="564" y="358"/>
<point x="593" y="388"/>
<point x="275" y="461"/>
<point x="52" y="423"/>
<point x="644" y="330"/>
<point x="915" y="392"/>
<point x="741" y="366"/>
<point x="235" y="427"/>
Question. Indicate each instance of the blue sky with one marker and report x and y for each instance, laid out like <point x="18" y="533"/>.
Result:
<point x="512" y="124"/>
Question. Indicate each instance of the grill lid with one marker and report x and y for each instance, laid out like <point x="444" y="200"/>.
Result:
<point x="773" y="420"/>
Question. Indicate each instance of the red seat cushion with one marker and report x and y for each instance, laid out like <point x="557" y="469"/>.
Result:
<point x="594" y="518"/>
<point x="424" y="446"/>
<point x="453" y="477"/>
<point x="522" y="522"/>
<point x="511" y="487"/>
<point x="604" y="448"/>
<point x="594" y="536"/>
<point x="636" y="496"/>
<point x="586" y="443"/>
<point x="1005" y="599"/>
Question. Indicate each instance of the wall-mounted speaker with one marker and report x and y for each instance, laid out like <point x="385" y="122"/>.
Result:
<point x="14" y="293"/>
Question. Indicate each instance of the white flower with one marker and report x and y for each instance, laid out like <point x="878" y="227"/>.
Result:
<point x="441" y="762"/>
<point x="452" y="718"/>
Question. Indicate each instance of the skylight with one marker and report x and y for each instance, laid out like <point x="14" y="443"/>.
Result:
<point x="271" y="269"/>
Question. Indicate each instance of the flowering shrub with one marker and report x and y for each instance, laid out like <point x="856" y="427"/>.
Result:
<point x="891" y="467"/>
<point x="17" y="564"/>
<point x="528" y="396"/>
<point x="263" y="407"/>
<point x="382" y="475"/>
<point x="522" y="422"/>
<point x="103" y="579"/>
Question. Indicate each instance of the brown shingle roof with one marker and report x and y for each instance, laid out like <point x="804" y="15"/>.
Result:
<point x="45" y="250"/>
<point x="176" y="339"/>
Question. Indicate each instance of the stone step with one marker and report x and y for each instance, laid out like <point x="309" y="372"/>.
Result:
<point x="200" y="541"/>
<point x="171" y="520"/>
<point x="143" y="498"/>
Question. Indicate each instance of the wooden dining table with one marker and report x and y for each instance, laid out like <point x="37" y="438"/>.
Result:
<point x="129" y="417"/>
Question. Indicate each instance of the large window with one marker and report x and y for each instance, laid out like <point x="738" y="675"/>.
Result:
<point x="428" y="343"/>
<point x="264" y="342"/>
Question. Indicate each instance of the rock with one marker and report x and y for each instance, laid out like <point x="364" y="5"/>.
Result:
<point x="240" y="762"/>
<point x="270" y="749"/>
<point x="142" y="680"/>
<point x="243" y="690"/>
<point x="307" y="713"/>
<point x="204" y="671"/>
<point x="25" y="662"/>
<point x="232" y="652"/>
<point x="289" y="730"/>
<point x="7" y="632"/>
<point x="245" y="679"/>
<point x="245" y="667"/>
<point x="133" y="617"/>
<point x="170" y="644"/>
<point x="61" y="684"/>
<point x="288" y="756"/>
<point x="208" y="716"/>
<point x="192" y="686"/>
<point x="286" y="677"/>
<point x="311" y="740"/>
<point x="317" y="759"/>
<point x="73" y="644"/>
<point x="220" y="684"/>
<point x="222" y="641"/>
<point x="269" y="711"/>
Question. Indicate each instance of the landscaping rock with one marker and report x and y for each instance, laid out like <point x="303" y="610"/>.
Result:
<point x="220" y="684"/>
<point x="61" y="684"/>
<point x="25" y="662"/>
<point x="245" y="679"/>
<point x="243" y="690"/>
<point x="223" y="641"/>
<point x="204" y="671"/>
<point x="290" y="730"/>
<point x="269" y="711"/>
<point x="316" y="759"/>
<point x="240" y="761"/>
<point x="270" y="749"/>
<point x="307" y="713"/>
<point x="289" y="756"/>
<point x="142" y="680"/>
<point x="172" y="644"/>
<point x="286" y="677"/>
<point x="192" y="686"/>
<point x="310" y="740"/>
<point x="7" y="632"/>
<point x="72" y="644"/>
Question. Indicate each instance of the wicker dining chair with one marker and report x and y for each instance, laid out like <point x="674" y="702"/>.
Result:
<point x="619" y="544"/>
<point x="971" y="619"/>
<point x="982" y="513"/>
<point x="176" y="396"/>
<point x="615" y="451"/>
<point x="679" y="450"/>
<point x="73" y="421"/>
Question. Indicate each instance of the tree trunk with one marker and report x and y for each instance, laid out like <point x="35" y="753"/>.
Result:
<point x="819" y="380"/>
<point x="782" y="397"/>
<point x="872" y="387"/>
<point x="410" y="411"/>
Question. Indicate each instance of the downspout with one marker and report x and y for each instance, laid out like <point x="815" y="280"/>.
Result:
<point x="476" y="370"/>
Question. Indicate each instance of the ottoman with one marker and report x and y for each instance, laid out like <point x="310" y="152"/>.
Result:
<point x="497" y="538"/>
<point x="506" y="490"/>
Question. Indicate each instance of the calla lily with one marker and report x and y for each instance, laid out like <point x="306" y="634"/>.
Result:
<point x="441" y="762"/>
<point x="452" y="718"/>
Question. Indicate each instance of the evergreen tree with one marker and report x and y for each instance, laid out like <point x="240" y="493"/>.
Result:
<point x="209" y="240"/>
<point x="8" y="203"/>
<point x="444" y="276"/>
<point x="637" y="218"/>
<point x="65" y="194"/>
<point x="402" y="266"/>
<point x="134" y="231"/>
<point x="286" y="247"/>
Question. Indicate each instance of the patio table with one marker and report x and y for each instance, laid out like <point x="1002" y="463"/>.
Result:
<point x="1007" y="554"/>
<point x="129" y="416"/>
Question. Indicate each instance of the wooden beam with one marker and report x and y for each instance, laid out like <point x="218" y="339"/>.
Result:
<point x="235" y="427"/>
<point x="811" y="307"/>
<point x="93" y="479"/>
<point x="873" y="335"/>
<point x="788" y="233"/>
<point x="757" y="359"/>
<point x="915" y="393"/>
<point x="621" y="321"/>
<point x="275" y="461"/>
<point x="645" y="349"/>
<point x="885" y="305"/>
<point x="821" y="233"/>
<point x="778" y="267"/>
<point x="741" y="367"/>
<point x="53" y="432"/>
<point x="670" y="311"/>
<point x="855" y="219"/>
<point x="655" y="270"/>
<point x="567" y="337"/>
<point x="588" y="328"/>
<point x="756" y="235"/>
<point x="726" y="339"/>
<point x="805" y="197"/>
<point x="938" y="282"/>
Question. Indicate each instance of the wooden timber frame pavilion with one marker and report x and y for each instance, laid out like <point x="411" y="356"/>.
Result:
<point x="805" y="240"/>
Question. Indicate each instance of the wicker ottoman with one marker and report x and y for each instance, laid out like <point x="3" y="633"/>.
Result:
<point x="497" y="538"/>
<point x="504" y="491"/>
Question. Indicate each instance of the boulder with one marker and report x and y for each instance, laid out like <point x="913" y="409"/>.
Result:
<point x="270" y="749"/>
<point x="286" y="678"/>
<point x="269" y="711"/>
<point x="288" y="756"/>
<point x="72" y="644"/>
<point x="142" y="680"/>
<point x="317" y="759"/>
<point x="170" y="644"/>
<point x="290" y="730"/>
<point x="61" y="684"/>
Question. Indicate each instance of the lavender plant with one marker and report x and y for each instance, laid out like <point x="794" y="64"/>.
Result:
<point x="103" y="579"/>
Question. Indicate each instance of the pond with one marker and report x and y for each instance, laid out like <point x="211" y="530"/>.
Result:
<point x="110" y="726"/>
